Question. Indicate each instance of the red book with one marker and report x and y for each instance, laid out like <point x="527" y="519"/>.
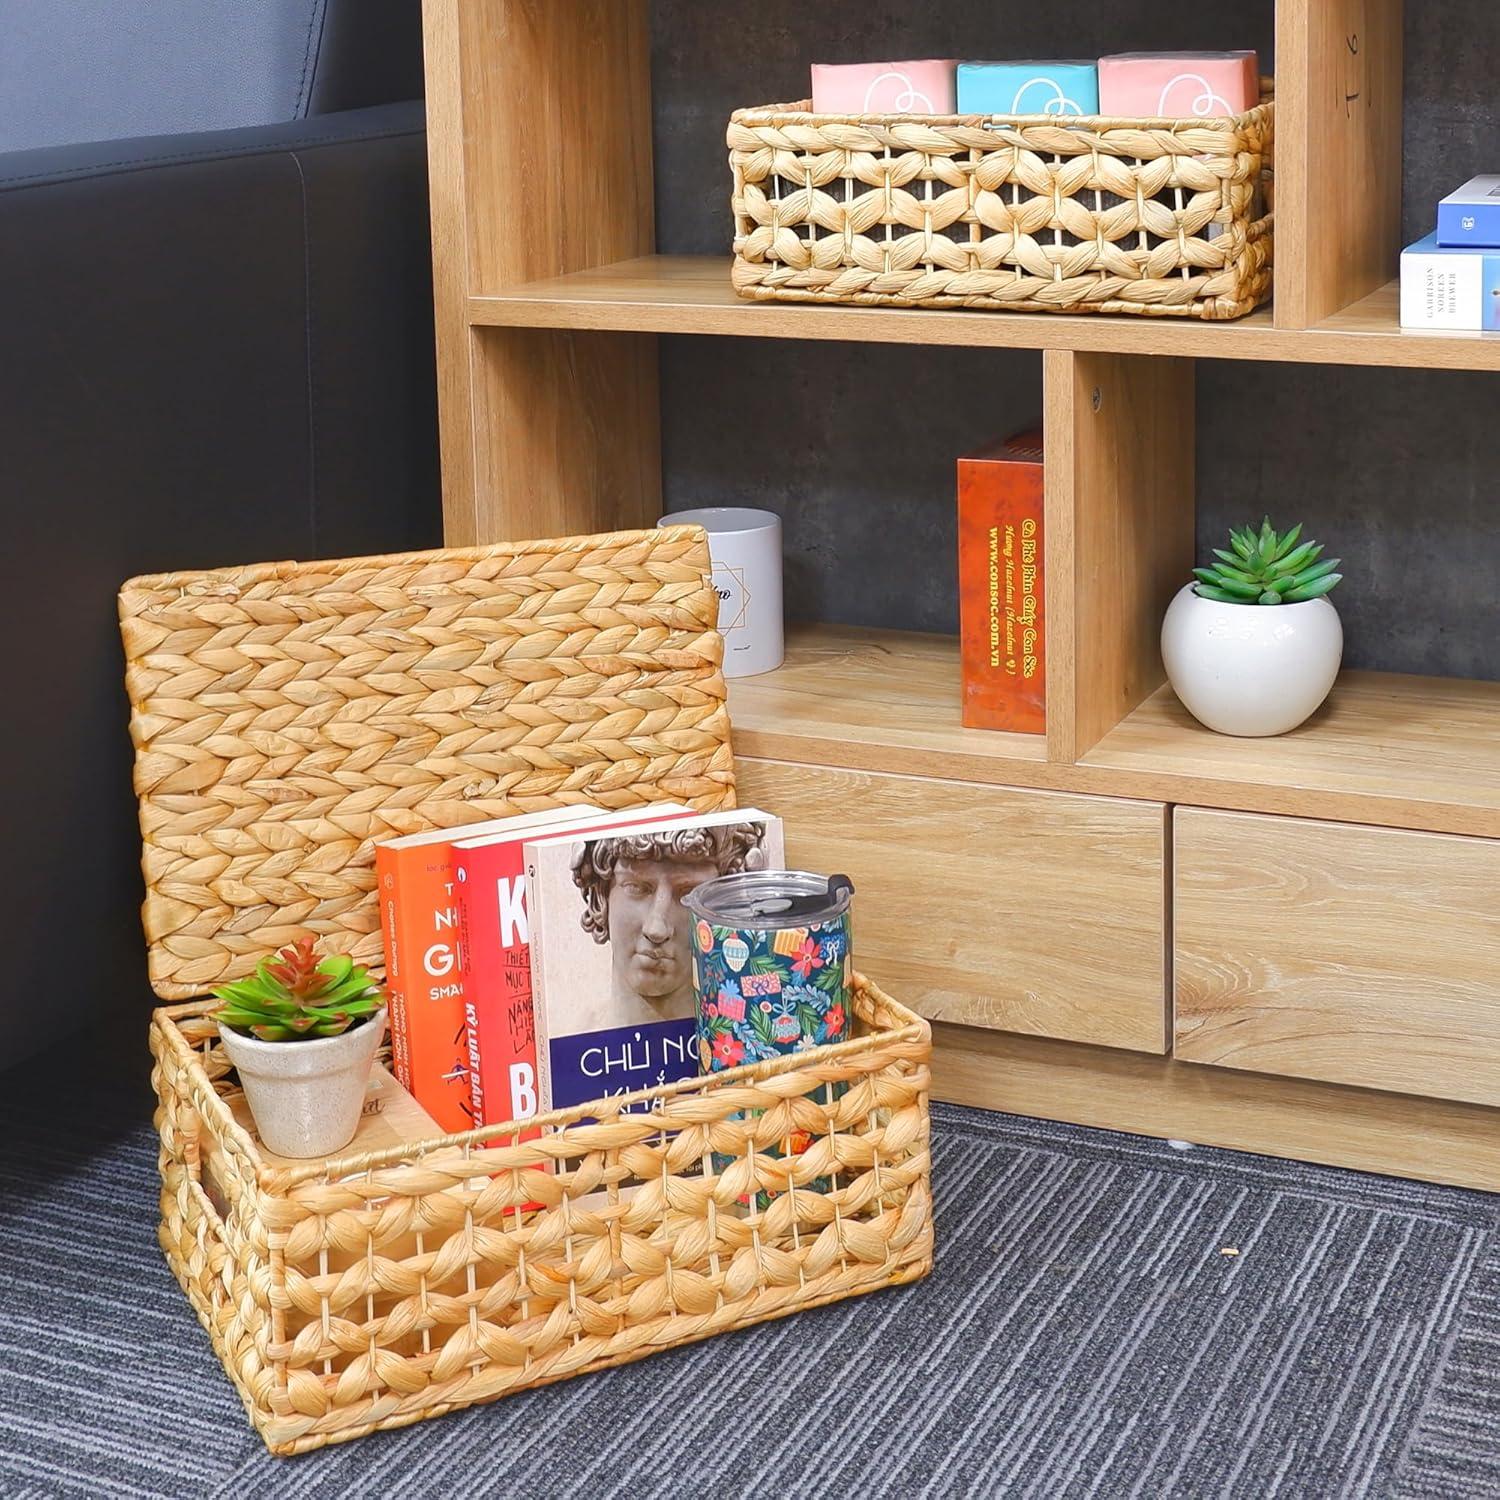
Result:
<point x="1001" y="593"/>
<point x="495" y="942"/>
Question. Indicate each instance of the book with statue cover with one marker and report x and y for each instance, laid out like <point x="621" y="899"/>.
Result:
<point x="611" y="947"/>
<point x="495" y="947"/>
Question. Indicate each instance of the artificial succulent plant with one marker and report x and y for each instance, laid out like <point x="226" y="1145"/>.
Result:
<point x="1267" y="567"/>
<point x="296" y="994"/>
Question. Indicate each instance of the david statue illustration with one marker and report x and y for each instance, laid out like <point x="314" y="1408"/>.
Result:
<point x="633" y="887"/>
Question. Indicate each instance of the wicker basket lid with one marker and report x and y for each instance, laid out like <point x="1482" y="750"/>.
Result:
<point x="288" y="715"/>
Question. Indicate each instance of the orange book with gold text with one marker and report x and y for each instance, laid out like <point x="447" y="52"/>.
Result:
<point x="419" y="925"/>
<point x="1001" y="587"/>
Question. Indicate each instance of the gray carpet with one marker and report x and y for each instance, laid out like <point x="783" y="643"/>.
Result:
<point x="1083" y="1334"/>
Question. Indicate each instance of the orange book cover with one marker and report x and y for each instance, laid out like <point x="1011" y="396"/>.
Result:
<point x="1001" y="587"/>
<point x="419" y="925"/>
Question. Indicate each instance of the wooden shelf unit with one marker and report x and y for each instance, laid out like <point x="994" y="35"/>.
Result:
<point x="550" y="297"/>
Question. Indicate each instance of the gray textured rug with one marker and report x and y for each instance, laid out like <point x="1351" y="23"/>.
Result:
<point x="1084" y="1334"/>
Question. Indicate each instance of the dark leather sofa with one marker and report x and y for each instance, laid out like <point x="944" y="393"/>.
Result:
<point x="218" y="348"/>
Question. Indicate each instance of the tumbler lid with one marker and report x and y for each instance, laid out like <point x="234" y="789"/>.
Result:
<point x="771" y="898"/>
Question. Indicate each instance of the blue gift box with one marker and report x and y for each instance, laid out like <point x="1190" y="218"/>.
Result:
<point x="1028" y="88"/>
<point x="1470" y="218"/>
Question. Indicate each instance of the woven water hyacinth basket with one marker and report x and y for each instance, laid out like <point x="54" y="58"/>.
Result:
<point x="1168" y="218"/>
<point x="285" y="717"/>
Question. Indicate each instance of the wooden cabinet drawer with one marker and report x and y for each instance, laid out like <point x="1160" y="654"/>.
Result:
<point x="1021" y="911"/>
<point x="1356" y="955"/>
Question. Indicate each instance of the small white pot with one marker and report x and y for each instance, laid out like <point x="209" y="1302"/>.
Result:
<point x="1251" y="669"/>
<point x="307" y="1096"/>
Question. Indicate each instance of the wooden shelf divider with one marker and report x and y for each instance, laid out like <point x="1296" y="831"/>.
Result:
<point x="543" y="433"/>
<point x="1338" y="161"/>
<point x="1120" y="444"/>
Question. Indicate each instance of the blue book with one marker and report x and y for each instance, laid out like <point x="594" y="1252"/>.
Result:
<point x="1443" y="287"/>
<point x="1028" y="88"/>
<point x="1470" y="218"/>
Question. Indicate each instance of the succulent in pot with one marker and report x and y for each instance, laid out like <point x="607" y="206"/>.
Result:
<point x="1253" y="646"/>
<point x="302" y="1032"/>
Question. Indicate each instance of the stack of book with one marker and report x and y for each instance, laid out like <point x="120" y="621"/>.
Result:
<point x="1451" y="279"/>
<point x="544" y="960"/>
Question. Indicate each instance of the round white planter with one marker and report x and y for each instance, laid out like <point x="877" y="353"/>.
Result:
<point x="1251" y="669"/>
<point x="306" y="1096"/>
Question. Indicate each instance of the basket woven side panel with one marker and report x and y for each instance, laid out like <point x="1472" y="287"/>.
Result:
<point x="286" y="716"/>
<point x="1025" y="214"/>
<point x="214" y="1258"/>
<point x="373" y="1292"/>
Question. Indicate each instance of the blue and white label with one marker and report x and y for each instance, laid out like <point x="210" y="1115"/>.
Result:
<point x="596" y="1064"/>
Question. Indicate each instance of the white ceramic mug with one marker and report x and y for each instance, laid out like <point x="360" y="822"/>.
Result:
<point x="745" y="548"/>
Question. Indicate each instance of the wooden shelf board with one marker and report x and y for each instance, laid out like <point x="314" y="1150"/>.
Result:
<point x="1402" y="752"/>
<point x="1410" y="752"/>
<point x="692" y="294"/>
<point x="875" y="700"/>
<point x="1373" y="325"/>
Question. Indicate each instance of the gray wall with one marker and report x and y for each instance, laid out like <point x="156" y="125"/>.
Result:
<point x="854" y="445"/>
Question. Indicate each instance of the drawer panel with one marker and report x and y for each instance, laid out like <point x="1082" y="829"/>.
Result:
<point x="1357" y="955"/>
<point x="1021" y="911"/>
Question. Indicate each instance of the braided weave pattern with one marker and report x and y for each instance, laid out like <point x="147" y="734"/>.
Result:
<point x="288" y="715"/>
<point x="1004" y="213"/>
<point x="369" y="1292"/>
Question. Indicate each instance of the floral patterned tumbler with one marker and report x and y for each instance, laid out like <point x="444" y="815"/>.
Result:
<point x="771" y="964"/>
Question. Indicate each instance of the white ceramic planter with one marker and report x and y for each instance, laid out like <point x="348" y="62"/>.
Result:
<point x="1251" y="669"/>
<point x="307" y="1096"/>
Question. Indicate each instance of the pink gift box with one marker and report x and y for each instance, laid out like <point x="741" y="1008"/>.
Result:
<point x="886" y="88"/>
<point x="1178" y="85"/>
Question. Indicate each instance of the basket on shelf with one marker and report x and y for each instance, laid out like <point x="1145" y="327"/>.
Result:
<point x="1166" y="218"/>
<point x="285" y="716"/>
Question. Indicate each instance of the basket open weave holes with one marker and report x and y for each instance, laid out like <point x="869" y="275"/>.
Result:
<point x="1023" y="213"/>
<point x="373" y="1291"/>
<point x="286" y="716"/>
